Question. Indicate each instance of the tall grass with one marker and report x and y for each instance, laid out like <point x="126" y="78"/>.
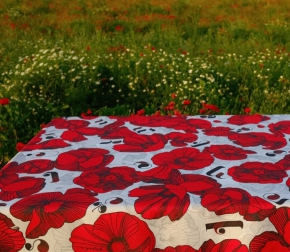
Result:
<point x="61" y="58"/>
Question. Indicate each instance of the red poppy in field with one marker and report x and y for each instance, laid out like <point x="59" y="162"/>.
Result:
<point x="107" y="179"/>
<point x="51" y="210"/>
<point x="114" y="232"/>
<point x="141" y="112"/>
<point x="247" y="119"/>
<point x="19" y="146"/>
<point x="228" y="152"/>
<point x="234" y="200"/>
<point x="217" y="131"/>
<point x="4" y="101"/>
<point x="179" y="139"/>
<point x="186" y="102"/>
<point x="11" y="239"/>
<point x="247" y="110"/>
<point x="280" y="128"/>
<point x="141" y="143"/>
<point x="256" y="172"/>
<point x="83" y="159"/>
<point x="119" y="28"/>
<point x="268" y="141"/>
<point x="211" y="107"/>
<point x="20" y="188"/>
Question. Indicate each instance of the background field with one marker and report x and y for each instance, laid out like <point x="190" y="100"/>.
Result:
<point x="64" y="58"/>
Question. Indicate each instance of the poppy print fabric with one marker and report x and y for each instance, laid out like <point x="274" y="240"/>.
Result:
<point x="160" y="184"/>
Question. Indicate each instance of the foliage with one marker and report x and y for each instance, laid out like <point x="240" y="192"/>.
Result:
<point x="65" y="58"/>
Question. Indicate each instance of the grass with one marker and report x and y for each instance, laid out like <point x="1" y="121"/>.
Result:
<point x="63" y="58"/>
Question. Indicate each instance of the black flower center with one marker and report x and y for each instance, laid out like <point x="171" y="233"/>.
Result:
<point x="118" y="244"/>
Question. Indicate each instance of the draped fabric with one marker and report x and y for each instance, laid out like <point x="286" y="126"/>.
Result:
<point x="138" y="183"/>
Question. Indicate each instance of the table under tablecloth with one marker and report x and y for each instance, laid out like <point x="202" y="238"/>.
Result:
<point x="138" y="183"/>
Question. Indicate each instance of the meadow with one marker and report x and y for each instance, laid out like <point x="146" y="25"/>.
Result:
<point x="105" y="57"/>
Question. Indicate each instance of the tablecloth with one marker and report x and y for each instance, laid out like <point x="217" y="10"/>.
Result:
<point x="145" y="183"/>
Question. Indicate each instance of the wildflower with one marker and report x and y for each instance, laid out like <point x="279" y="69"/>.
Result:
<point x="173" y="96"/>
<point x="177" y="113"/>
<point x="202" y="111"/>
<point x="247" y="110"/>
<point x="211" y="107"/>
<point x="4" y="101"/>
<point x="141" y="112"/>
<point x="186" y="102"/>
<point x="42" y="125"/>
<point x="19" y="146"/>
<point x="88" y="48"/>
<point x="171" y="105"/>
<point x="89" y="112"/>
<point x="157" y="113"/>
<point x="119" y="28"/>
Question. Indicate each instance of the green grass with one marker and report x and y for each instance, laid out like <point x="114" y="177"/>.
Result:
<point x="61" y="58"/>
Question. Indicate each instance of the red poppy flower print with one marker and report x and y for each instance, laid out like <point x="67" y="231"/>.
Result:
<point x="83" y="159"/>
<point x="72" y="136"/>
<point x="281" y="221"/>
<point x="217" y="131"/>
<point x="107" y="179"/>
<point x="149" y="121"/>
<point x="280" y="128"/>
<point x="6" y="176"/>
<point x="142" y="143"/>
<point x="192" y="125"/>
<point x="11" y="239"/>
<point x="234" y="200"/>
<point x="228" y="152"/>
<point x="268" y="242"/>
<point x="170" y="198"/>
<point x="31" y="166"/>
<point x="20" y="188"/>
<point x="179" y="139"/>
<point x="228" y="245"/>
<point x="61" y="123"/>
<point x="285" y="162"/>
<point x="110" y="131"/>
<point x="183" y="158"/>
<point x="268" y="141"/>
<point x="49" y="144"/>
<point x="156" y="201"/>
<point x="51" y="210"/>
<point x="256" y="172"/>
<point x="247" y="119"/>
<point x="114" y="232"/>
<point x="180" y="248"/>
